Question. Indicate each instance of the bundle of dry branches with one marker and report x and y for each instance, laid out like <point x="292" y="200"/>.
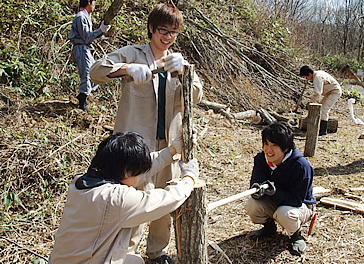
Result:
<point x="235" y="72"/>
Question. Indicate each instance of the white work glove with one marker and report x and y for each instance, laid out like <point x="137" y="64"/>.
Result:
<point x="104" y="28"/>
<point x="139" y="72"/>
<point x="177" y="143"/>
<point x="190" y="169"/>
<point x="173" y="63"/>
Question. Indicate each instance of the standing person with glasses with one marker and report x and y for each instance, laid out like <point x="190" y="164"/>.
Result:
<point x="81" y="36"/>
<point x="151" y="106"/>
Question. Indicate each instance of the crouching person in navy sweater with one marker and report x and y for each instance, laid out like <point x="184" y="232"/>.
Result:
<point x="288" y="200"/>
<point x="102" y="206"/>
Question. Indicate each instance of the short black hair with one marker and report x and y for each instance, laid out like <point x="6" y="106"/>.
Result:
<point x="84" y="3"/>
<point x="122" y="153"/>
<point x="280" y="133"/>
<point x="164" y="15"/>
<point x="305" y="71"/>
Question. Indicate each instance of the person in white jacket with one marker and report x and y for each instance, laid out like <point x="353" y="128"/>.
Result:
<point x="324" y="85"/>
<point x="102" y="206"/>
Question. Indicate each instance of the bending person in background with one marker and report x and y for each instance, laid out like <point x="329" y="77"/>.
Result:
<point x="102" y="206"/>
<point x="288" y="200"/>
<point x="326" y="85"/>
<point x="81" y="36"/>
<point x="151" y="107"/>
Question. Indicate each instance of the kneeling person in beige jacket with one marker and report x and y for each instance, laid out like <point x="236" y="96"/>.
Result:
<point x="102" y="206"/>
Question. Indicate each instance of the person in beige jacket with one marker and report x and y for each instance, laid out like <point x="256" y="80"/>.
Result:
<point x="102" y="206"/>
<point x="324" y="85"/>
<point x="151" y="106"/>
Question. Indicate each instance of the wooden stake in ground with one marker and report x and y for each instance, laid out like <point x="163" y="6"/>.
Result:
<point x="191" y="217"/>
<point x="313" y="123"/>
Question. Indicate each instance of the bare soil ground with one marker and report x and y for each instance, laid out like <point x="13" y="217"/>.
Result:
<point x="43" y="145"/>
<point x="226" y="154"/>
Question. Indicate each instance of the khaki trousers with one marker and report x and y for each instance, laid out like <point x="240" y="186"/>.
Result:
<point x="328" y="102"/>
<point x="160" y="229"/>
<point x="290" y="218"/>
<point x="133" y="259"/>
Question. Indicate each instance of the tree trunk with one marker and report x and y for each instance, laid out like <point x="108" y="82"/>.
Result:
<point x="187" y="83"/>
<point x="112" y="11"/>
<point x="191" y="218"/>
<point x="313" y="123"/>
<point x="191" y="227"/>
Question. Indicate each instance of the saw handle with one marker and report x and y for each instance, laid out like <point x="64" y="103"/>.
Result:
<point x="312" y="223"/>
<point x="156" y="71"/>
<point x="300" y="99"/>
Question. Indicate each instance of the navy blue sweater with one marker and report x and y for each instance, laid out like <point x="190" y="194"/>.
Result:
<point x="292" y="179"/>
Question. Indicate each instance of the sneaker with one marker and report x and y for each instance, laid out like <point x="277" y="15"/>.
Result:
<point x="163" y="260"/>
<point x="268" y="230"/>
<point x="298" y="244"/>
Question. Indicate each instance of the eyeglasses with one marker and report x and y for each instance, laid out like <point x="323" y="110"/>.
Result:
<point x="165" y="32"/>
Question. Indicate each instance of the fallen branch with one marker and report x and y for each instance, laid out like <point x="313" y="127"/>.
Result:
<point x="266" y="116"/>
<point x="22" y="247"/>
<point x="245" y="115"/>
<point x="219" y="249"/>
<point x="211" y="105"/>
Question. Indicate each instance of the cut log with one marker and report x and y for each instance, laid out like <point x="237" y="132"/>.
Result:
<point x="278" y="116"/>
<point x="357" y="207"/>
<point x="245" y="115"/>
<point x="266" y="116"/>
<point x="313" y="122"/>
<point x="226" y="114"/>
<point x="256" y="120"/>
<point x="332" y="124"/>
<point x="211" y="105"/>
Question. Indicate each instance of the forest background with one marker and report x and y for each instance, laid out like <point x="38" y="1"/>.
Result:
<point x="247" y="53"/>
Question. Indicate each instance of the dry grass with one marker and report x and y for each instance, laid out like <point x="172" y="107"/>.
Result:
<point x="43" y="145"/>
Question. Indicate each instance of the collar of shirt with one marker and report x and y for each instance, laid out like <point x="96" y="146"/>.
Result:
<point x="84" y="9"/>
<point x="273" y="166"/>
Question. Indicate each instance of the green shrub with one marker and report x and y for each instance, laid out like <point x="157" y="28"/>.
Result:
<point x="352" y="92"/>
<point x="339" y="61"/>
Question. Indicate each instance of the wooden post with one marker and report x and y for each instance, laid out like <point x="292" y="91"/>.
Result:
<point x="187" y="113"/>
<point x="313" y="124"/>
<point x="191" y="217"/>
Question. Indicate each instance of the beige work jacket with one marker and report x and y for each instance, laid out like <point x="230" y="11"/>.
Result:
<point x="138" y="104"/>
<point x="324" y="84"/>
<point x="96" y="223"/>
